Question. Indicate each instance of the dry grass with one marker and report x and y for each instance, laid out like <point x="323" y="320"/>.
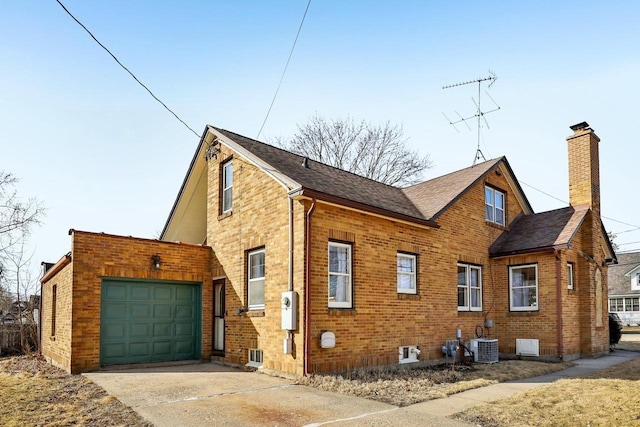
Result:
<point x="34" y="393"/>
<point x="607" y="398"/>
<point x="404" y="387"/>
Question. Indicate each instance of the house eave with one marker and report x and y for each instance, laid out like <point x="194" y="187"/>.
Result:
<point x="184" y="184"/>
<point x="528" y="251"/>
<point x="305" y="193"/>
<point x="62" y="263"/>
<point x="256" y="161"/>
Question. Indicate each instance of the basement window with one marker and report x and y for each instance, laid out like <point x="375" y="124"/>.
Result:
<point x="255" y="358"/>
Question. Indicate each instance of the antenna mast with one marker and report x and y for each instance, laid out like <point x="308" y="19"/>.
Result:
<point x="479" y="115"/>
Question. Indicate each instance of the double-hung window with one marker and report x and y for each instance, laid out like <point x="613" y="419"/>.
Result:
<point x="494" y="205"/>
<point x="469" y="287"/>
<point x="406" y="265"/>
<point x="255" y="280"/>
<point x="340" y="278"/>
<point x="523" y="287"/>
<point x="227" y="186"/>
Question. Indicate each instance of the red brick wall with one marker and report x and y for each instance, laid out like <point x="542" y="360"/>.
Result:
<point x="95" y="256"/>
<point x="382" y="320"/>
<point x="56" y="344"/>
<point x="259" y="218"/>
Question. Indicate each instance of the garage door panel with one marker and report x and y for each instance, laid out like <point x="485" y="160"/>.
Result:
<point x="162" y="311"/>
<point x="184" y="312"/>
<point x="138" y="349"/>
<point x="115" y="350"/>
<point x="140" y="311"/>
<point x="162" y="348"/>
<point x="162" y="330"/>
<point x="149" y="321"/>
<point x="139" y="330"/>
<point x="184" y="294"/>
<point x="162" y="294"/>
<point x="140" y="293"/>
<point x="115" y="291"/>
<point x="115" y="310"/>
<point x="184" y="330"/>
<point x="114" y="330"/>
<point x="184" y="347"/>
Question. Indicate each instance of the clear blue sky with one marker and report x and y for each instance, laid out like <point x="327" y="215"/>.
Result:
<point x="102" y="155"/>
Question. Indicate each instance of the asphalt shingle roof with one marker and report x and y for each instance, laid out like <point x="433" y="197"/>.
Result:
<point x="619" y="284"/>
<point x="434" y="196"/>
<point x="545" y="230"/>
<point x="421" y="201"/>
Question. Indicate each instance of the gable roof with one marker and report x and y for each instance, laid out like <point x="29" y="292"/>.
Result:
<point x="329" y="183"/>
<point x="619" y="277"/>
<point x="433" y="197"/>
<point x="543" y="231"/>
<point x="420" y="204"/>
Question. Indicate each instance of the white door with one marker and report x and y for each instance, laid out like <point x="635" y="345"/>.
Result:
<point x="218" y="315"/>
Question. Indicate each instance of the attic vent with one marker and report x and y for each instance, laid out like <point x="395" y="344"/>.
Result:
<point x="305" y="163"/>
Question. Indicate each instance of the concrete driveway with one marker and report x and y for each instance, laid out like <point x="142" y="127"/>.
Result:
<point x="210" y="394"/>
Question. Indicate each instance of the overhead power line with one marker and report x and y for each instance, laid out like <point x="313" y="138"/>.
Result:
<point x="126" y="69"/>
<point x="636" y="227"/>
<point x="285" y="69"/>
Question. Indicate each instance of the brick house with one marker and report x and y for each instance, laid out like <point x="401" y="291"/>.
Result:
<point x="624" y="288"/>
<point x="297" y="267"/>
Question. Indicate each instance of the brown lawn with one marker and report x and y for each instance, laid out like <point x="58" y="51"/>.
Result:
<point x="34" y="393"/>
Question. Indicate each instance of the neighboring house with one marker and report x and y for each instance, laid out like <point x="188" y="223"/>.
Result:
<point x="297" y="267"/>
<point x="624" y="288"/>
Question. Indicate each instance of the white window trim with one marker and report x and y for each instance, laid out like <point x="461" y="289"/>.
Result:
<point x="226" y="187"/>
<point x="512" y="306"/>
<point x="468" y="268"/>
<point x="570" y="276"/>
<point x="413" y="274"/>
<point x="251" y="280"/>
<point x="493" y="206"/>
<point x="255" y="353"/>
<point x="349" y="275"/>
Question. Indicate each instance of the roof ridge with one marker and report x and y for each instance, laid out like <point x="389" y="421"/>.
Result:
<point x="302" y="156"/>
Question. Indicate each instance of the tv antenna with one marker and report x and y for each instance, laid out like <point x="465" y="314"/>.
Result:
<point x="479" y="115"/>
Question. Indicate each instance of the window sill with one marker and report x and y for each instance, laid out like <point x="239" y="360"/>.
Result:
<point x="408" y="296"/>
<point x="524" y="312"/>
<point x="494" y="225"/>
<point x="469" y="312"/>
<point x="341" y="311"/>
<point x="255" y="313"/>
<point x="254" y="365"/>
<point x="225" y="215"/>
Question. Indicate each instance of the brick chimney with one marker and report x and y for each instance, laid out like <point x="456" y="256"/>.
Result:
<point x="584" y="168"/>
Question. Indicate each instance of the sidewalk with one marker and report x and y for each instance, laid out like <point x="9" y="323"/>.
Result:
<point x="461" y="401"/>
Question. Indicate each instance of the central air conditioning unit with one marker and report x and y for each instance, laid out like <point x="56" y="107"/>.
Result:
<point x="485" y="350"/>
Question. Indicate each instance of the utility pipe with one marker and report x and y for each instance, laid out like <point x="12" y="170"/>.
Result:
<point x="559" y="302"/>
<point x="307" y="288"/>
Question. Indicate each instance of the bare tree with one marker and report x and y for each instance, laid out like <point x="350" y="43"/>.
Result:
<point x="17" y="218"/>
<point x="18" y="275"/>
<point x="378" y="152"/>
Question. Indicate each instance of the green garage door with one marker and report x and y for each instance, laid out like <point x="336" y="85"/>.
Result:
<point x="149" y="321"/>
